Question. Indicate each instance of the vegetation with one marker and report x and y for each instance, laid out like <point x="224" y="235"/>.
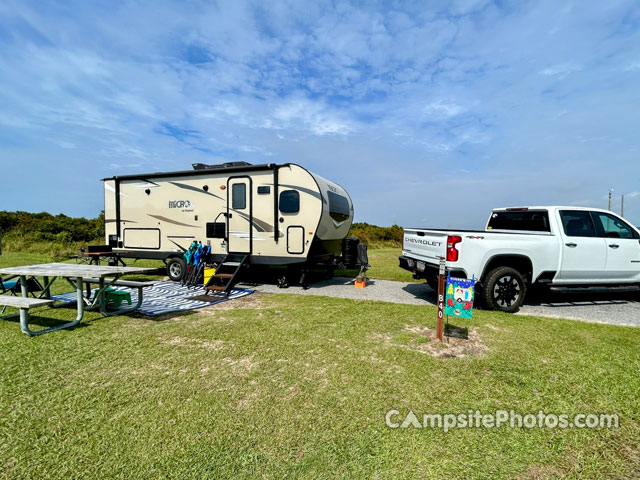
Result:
<point x="279" y="386"/>
<point x="50" y="227"/>
<point x="384" y="266"/>
<point x="377" y="237"/>
<point x="57" y="236"/>
<point x="296" y="386"/>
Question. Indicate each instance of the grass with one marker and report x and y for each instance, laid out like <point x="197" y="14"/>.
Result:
<point x="289" y="386"/>
<point x="384" y="266"/>
<point x="32" y="243"/>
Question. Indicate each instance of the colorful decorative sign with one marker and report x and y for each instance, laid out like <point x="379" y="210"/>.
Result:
<point x="459" y="297"/>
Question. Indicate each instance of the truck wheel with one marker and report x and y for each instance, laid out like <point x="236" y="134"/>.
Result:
<point x="504" y="290"/>
<point x="433" y="284"/>
<point x="176" y="269"/>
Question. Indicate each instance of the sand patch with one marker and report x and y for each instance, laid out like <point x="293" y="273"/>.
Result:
<point x="241" y="366"/>
<point x="459" y="343"/>
<point x="195" y="342"/>
<point x="250" y="302"/>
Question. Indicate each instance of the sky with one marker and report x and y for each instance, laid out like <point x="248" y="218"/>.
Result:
<point x="429" y="113"/>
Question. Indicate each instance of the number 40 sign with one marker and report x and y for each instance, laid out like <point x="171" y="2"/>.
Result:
<point x="442" y="280"/>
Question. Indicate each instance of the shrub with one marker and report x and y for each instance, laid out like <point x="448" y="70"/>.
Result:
<point x="58" y="236"/>
<point x="377" y="237"/>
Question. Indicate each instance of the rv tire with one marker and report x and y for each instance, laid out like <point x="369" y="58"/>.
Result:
<point x="176" y="268"/>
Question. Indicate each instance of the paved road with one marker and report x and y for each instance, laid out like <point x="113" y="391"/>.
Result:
<point x="620" y="307"/>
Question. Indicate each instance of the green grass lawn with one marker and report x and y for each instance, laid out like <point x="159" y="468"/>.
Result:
<point x="384" y="266"/>
<point x="279" y="386"/>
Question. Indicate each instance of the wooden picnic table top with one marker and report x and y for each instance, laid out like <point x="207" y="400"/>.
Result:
<point x="70" y="270"/>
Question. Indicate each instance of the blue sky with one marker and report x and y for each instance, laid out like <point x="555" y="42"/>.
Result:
<point x="429" y="113"/>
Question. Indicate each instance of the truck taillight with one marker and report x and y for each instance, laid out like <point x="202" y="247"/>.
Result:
<point x="452" y="251"/>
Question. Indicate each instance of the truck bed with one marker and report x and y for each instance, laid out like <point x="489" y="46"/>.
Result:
<point x="474" y="248"/>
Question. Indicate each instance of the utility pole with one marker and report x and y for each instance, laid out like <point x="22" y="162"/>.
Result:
<point x="610" y="195"/>
<point x="622" y="207"/>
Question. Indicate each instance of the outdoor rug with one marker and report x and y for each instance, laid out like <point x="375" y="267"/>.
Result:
<point x="166" y="297"/>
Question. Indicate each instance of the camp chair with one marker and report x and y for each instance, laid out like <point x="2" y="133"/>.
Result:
<point x="7" y="285"/>
<point x="12" y="287"/>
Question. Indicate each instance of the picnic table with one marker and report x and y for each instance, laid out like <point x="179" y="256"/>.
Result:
<point x="94" y="257"/>
<point x="77" y="275"/>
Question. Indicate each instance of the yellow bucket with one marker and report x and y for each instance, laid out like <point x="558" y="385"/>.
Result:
<point x="208" y="273"/>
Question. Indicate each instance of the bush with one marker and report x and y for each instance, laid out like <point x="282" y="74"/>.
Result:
<point x="50" y="226"/>
<point x="377" y="237"/>
<point x="58" y="236"/>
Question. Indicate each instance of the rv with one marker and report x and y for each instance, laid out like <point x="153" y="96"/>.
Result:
<point x="265" y="214"/>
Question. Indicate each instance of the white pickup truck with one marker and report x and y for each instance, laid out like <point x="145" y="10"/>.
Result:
<point x="529" y="246"/>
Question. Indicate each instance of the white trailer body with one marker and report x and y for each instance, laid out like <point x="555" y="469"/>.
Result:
<point x="276" y="214"/>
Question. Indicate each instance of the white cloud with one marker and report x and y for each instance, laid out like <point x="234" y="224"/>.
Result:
<point x="560" y="70"/>
<point x="442" y="109"/>
<point x="396" y="93"/>
<point x="633" y="66"/>
<point x="466" y="6"/>
<point x="302" y="113"/>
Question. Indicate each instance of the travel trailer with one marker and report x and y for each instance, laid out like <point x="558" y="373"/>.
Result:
<point x="263" y="214"/>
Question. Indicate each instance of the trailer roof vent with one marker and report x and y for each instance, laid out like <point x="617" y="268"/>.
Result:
<point x="202" y="166"/>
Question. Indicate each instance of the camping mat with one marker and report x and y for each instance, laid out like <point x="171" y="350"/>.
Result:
<point x="166" y="297"/>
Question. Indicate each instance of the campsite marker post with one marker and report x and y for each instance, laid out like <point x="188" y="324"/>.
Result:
<point x="442" y="280"/>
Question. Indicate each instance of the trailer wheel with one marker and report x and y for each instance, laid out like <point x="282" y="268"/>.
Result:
<point x="176" y="269"/>
<point x="504" y="290"/>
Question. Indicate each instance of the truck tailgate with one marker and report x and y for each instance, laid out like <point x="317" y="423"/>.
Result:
<point x="425" y="245"/>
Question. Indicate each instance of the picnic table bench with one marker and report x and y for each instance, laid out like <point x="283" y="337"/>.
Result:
<point x="24" y="304"/>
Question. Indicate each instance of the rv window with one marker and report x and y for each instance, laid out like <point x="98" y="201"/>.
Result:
<point x="290" y="201"/>
<point x="239" y="196"/>
<point x="338" y="207"/>
<point x="264" y="190"/>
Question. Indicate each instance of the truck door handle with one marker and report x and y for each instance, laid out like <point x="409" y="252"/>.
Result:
<point x="571" y="245"/>
<point x="613" y="245"/>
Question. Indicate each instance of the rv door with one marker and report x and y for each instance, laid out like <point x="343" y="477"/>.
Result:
<point x="239" y="214"/>
<point x="289" y="204"/>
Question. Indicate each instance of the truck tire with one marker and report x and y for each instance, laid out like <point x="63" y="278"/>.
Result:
<point x="176" y="268"/>
<point x="504" y="290"/>
<point x="433" y="283"/>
